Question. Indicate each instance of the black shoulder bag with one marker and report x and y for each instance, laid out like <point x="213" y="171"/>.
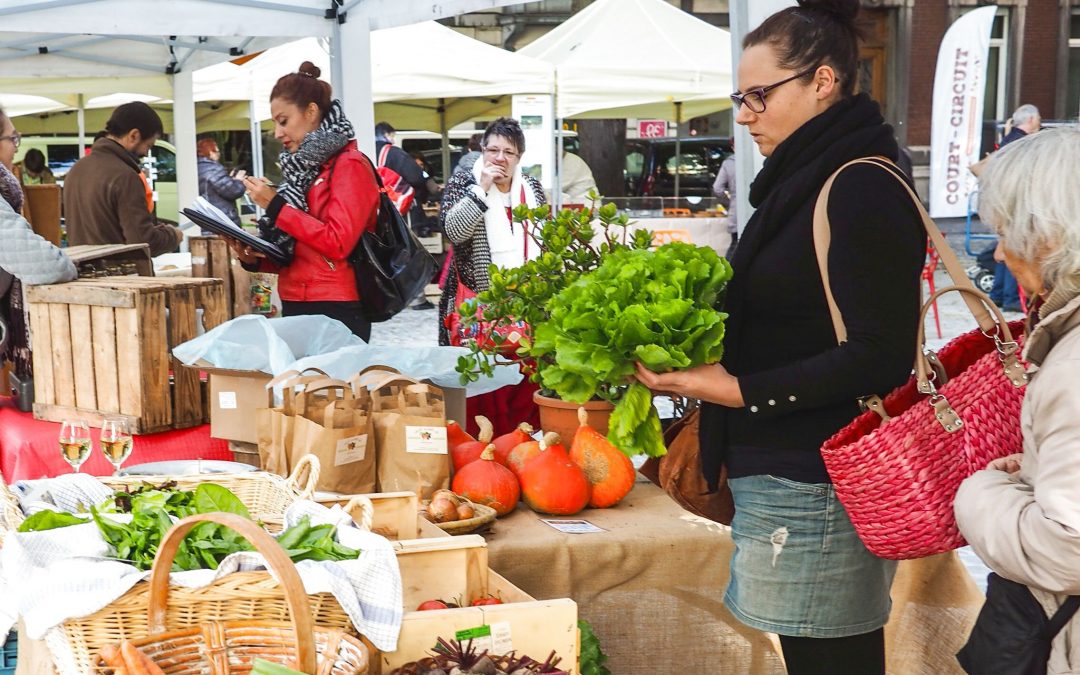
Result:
<point x="391" y="266"/>
<point x="1012" y="635"/>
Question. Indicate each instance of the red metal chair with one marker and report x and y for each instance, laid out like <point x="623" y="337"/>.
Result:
<point x="932" y="258"/>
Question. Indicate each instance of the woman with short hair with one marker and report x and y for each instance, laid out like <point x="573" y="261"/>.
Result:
<point x="1021" y="514"/>
<point x="216" y="184"/>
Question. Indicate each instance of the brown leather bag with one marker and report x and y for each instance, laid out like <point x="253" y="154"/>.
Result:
<point x="679" y="473"/>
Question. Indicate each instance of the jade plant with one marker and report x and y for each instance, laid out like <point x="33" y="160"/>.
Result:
<point x="593" y="310"/>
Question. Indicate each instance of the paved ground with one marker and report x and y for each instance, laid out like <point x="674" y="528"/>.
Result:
<point x="418" y="328"/>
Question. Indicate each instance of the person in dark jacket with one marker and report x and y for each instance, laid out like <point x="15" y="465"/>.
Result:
<point x="328" y="199"/>
<point x="104" y="196"/>
<point x="400" y="161"/>
<point x="216" y="185"/>
<point x="784" y="385"/>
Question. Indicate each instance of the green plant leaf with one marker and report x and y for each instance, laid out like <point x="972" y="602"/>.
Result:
<point x="50" y="520"/>
<point x="210" y="498"/>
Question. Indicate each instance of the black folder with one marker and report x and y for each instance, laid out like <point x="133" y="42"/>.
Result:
<point x="230" y="230"/>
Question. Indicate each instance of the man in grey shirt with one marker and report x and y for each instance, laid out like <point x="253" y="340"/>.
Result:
<point x="724" y="189"/>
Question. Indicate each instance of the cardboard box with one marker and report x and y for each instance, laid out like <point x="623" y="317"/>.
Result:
<point x="236" y="394"/>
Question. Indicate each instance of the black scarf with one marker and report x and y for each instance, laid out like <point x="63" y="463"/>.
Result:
<point x="792" y="176"/>
<point x="301" y="168"/>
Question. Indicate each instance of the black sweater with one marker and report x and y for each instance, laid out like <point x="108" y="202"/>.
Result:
<point x="799" y="386"/>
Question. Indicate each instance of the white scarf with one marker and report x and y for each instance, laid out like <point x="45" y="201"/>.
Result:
<point x="507" y="244"/>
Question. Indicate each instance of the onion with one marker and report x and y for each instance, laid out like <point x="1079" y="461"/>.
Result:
<point x="442" y="510"/>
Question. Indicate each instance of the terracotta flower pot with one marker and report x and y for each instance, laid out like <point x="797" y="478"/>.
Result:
<point x="561" y="417"/>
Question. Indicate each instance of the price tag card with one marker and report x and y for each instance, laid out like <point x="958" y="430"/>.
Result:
<point x="480" y="636"/>
<point x="572" y="526"/>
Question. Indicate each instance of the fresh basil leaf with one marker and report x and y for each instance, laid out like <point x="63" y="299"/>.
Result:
<point x="210" y="497"/>
<point x="50" y="520"/>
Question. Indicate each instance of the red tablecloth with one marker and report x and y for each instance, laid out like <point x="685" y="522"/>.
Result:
<point x="29" y="448"/>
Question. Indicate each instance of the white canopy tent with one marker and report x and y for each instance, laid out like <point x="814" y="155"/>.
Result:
<point x="95" y="47"/>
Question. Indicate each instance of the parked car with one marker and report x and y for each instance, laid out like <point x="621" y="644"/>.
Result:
<point x="651" y="165"/>
<point x="61" y="153"/>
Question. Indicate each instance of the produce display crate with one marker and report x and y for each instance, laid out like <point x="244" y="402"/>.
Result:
<point x="396" y="514"/>
<point x="10" y="656"/>
<point x="103" y="346"/>
<point x="108" y="255"/>
<point x="451" y="568"/>
<point x="211" y="257"/>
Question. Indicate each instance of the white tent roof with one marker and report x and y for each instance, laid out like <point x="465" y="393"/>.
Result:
<point x="636" y="58"/>
<point x="472" y="77"/>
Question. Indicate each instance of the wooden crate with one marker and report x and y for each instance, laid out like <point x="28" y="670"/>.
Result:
<point x="456" y="567"/>
<point x="211" y="257"/>
<point x="397" y="514"/>
<point x="103" y="347"/>
<point x="115" y="254"/>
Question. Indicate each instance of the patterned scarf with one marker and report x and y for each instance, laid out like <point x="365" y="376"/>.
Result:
<point x="301" y="168"/>
<point x="10" y="190"/>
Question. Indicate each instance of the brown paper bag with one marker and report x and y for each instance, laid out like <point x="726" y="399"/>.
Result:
<point x="275" y="424"/>
<point x="334" y="424"/>
<point x="410" y="435"/>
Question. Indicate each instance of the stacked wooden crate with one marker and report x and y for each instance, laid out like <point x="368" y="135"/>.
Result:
<point x="212" y="258"/>
<point x="102" y="347"/>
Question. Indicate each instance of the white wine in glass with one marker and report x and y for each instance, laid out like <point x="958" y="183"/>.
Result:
<point x="74" y="442"/>
<point x="115" y="441"/>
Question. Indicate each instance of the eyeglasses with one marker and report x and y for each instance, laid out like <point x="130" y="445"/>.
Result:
<point x="15" y="138"/>
<point x="755" y="98"/>
<point x="495" y="152"/>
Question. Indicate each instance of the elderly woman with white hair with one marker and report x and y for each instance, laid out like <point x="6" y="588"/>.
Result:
<point x="1021" y="514"/>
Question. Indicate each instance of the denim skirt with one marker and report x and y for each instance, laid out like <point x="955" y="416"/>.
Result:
<point x="799" y="568"/>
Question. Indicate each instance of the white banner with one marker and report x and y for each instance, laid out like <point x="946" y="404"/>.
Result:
<point x="537" y="117"/>
<point x="956" y="129"/>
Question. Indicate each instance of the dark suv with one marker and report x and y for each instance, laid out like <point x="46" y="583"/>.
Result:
<point x="651" y="164"/>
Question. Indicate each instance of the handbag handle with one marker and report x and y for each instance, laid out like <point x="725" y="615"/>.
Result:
<point x="288" y="381"/>
<point x="308" y="470"/>
<point x="823" y="237"/>
<point x="277" y="561"/>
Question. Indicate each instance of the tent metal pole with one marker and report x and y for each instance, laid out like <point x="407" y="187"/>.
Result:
<point x="257" y="167"/>
<point x="81" y="120"/>
<point x="446" y="168"/>
<point x="187" y="172"/>
<point x="337" y="76"/>
<point x="678" y="147"/>
<point x="557" y="189"/>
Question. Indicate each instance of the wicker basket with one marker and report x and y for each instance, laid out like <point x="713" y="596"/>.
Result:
<point x="224" y="646"/>
<point x="265" y="495"/>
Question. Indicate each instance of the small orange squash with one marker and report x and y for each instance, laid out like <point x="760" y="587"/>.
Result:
<point x="611" y="473"/>
<point x="469" y="451"/>
<point x="523" y="452"/>
<point x="552" y="483"/>
<point x="507" y="442"/>
<point x="487" y="482"/>
<point x="456" y="435"/>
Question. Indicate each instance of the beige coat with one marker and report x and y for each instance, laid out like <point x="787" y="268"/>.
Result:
<point x="1026" y="526"/>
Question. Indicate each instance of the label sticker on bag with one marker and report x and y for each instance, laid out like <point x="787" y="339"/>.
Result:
<point x="426" y="440"/>
<point x="226" y="400"/>
<point x="351" y="449"/>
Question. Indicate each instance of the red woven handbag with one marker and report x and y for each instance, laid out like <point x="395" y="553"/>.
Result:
<point x="897" y="476"/>
<point x="483" y="332"/>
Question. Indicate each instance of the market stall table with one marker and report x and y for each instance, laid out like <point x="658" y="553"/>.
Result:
<point x="652" y="585"/>
<point x="29" y="449"/>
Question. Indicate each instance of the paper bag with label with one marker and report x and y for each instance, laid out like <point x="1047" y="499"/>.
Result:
<point x="275" y="424"/>
<point x="410" y="435"/>
<point x="334" y="424"/>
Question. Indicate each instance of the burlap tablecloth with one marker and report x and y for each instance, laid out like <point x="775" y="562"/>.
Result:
<point x="652" y="586"/>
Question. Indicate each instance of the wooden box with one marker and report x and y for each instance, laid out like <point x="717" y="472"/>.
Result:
<point x="113" y="254"/>
<point x="42" y="210"/>
<point x="397" y="514"/>
<point x="102" y="347"/>
<point x="455" y="568"/>
<point x="211" y="257"/>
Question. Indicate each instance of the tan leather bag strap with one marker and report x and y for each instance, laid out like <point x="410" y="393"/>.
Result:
<point x="823" y="238"/>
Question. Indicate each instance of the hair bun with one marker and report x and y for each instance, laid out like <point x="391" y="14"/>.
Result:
<point x="310" y="69"/>
<point x="844" y="10"/>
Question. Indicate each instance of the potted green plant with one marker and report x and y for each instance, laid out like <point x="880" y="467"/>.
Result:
<point x="595" y="304"/>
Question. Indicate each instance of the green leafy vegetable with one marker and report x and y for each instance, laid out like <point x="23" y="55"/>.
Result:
<point x="50" y="520"/>
<point x="592" y="658"/>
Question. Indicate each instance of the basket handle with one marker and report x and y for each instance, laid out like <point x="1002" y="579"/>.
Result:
<point x="276" y="560"/>
<point x="366" y="511"/>
<point x="308" y="467"/>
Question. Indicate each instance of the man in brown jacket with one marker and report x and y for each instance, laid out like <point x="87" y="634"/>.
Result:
<point x="104" y="199"/>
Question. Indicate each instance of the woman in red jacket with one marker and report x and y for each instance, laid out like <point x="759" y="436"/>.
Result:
<point x="327" y="200"/>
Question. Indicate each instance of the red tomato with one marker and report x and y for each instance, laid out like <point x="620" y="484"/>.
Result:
<point x="432" y="604"/>
<point x="486" y="601"/>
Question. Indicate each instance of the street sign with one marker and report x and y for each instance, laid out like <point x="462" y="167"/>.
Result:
<point x="652" y="128"/>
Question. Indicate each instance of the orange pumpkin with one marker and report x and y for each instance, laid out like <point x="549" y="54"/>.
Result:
<point x="523" y="452"/>
<point x="487" y="482"/>
<point x="552" y="483"/>
<point x="611" y="473"/>
<point x="507" y="442"/>
<point x="456" y="435"/>
<point x="469" y="451"/>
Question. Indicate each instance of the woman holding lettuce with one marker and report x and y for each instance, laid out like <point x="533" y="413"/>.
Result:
<point x="784" y="385"/>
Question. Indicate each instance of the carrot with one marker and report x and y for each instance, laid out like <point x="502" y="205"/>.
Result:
<point x="110" y="654"/>
<point x="137" y="662"/>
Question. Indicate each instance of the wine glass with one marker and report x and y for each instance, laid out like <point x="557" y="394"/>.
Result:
<point x="115" y="441"/>
<point x="74" y="442"/>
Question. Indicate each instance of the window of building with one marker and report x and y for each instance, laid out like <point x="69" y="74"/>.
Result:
<point x="997" y="68"/>
<point x="1072" y="97"/>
